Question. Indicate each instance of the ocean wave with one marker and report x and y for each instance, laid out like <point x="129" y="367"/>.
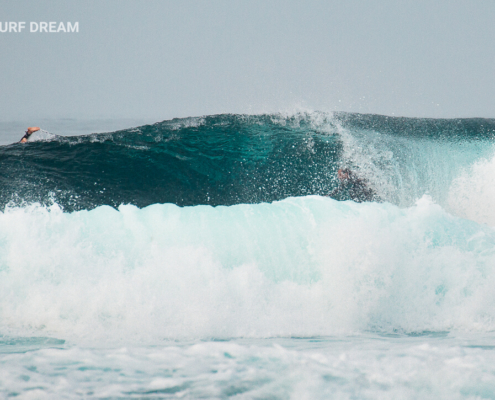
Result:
<point x="239" y="159"/>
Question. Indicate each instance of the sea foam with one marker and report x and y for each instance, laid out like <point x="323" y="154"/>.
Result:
<point x="299" y="267"/>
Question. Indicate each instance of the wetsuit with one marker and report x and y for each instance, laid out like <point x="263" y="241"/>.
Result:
<point x="26" y="136"/>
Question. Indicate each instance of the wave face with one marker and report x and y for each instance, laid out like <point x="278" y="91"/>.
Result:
<point x="217" y="160"/>
<point x="239" y="159"/>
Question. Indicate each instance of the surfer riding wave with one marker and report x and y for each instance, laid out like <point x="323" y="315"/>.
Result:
<point x="356" y="188"/>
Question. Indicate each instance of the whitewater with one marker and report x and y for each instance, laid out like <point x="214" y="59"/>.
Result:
<point x="202" y="258"/>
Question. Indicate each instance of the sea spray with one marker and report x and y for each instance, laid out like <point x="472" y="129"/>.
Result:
<point x="472" y="193"/>
<point x="307" y="266"/>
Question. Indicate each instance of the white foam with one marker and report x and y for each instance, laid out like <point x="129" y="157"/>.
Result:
<point x="303" y="266"/>
<point x="472" y="194"/>
<point x="357" y="367"/>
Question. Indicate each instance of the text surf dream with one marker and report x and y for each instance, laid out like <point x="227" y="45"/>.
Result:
<point x="39" y="27"/>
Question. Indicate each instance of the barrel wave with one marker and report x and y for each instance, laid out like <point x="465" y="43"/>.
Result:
<point x="235" y="159"/>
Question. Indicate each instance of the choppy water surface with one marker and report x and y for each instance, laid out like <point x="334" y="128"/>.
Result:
<point x="367" y="366"/>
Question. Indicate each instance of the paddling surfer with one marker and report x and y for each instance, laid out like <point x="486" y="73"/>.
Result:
<point x="29" y="132"/>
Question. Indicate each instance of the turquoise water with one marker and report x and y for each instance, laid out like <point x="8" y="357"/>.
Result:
<point x="200" y="258"/>
<point x="239" y="159"/>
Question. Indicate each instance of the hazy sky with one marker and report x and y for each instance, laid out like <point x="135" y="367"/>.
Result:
<point x="156" y="60"/>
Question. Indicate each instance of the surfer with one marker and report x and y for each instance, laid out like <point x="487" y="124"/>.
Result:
<point x="357" y="188"/>
<point x="29" y="132"/>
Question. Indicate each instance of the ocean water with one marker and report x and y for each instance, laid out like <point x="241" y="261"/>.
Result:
<point x="202" y="258"/>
